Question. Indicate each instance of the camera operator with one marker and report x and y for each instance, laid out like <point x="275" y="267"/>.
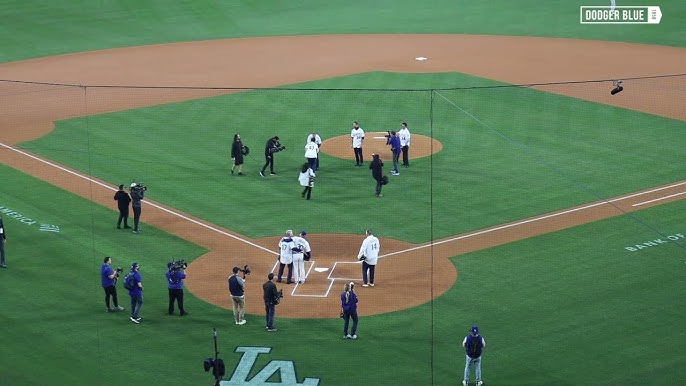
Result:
<point x="237" y="290"/>
<point x="137" y="195"/>
<point x="271" y="299"/>
<point x="176" y="272"/>
<point x="109" y="278"/>
<point x="272" y="147"/>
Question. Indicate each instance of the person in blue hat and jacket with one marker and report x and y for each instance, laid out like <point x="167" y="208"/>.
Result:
<point x="474" y="345"/>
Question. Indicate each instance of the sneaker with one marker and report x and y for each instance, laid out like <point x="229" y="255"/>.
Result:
<point x="272" y="174"/>
<point x="118" y="226"/>
<point x="242" y="322"/>
<point x="464" y="383"/>
<point x="347" y="336"/>
<point x="135" y="320"/>
<point x="235" y="321"/>
<point x="365" y="285"/>
<point x="262" y="174"/>
<point x="119" y="308"/>
<point x="379" y="195"/>
<point x="127" y="227"/>
<point x="371" y="284"/>
<point x="108" y="309"/>
<point x="479" y="383"/>
<point x="272" y="329"/>
<point x="353" y="337"/>
<point x="240" y="173"/>
<point x="183" y="313"/>
<point x="136" y="231"/>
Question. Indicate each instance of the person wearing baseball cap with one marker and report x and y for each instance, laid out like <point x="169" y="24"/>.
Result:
<point x="474" y="345"/>
<point x="301" y="252"/>
<point x="136" y="294"/>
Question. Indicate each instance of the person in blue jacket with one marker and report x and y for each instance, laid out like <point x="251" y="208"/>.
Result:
<point x="176" y="272"/>
<point x="474" y="345"/>
<point x="349" y="310"/>
<point x="136" y="294"/>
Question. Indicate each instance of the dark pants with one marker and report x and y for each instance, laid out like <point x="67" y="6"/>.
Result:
<point x="316" y="164"/>
<point x="359" y="158"/>
<point x="176" y="294"/>
<point x="368" y="268"/>
<point x="2" y="253"/>
<point x="395" y="155"/>
<point x="268" y="161"/>
<point x="290" y="272"/>
<point x="307" y="192"/>
<point x="312" y="163"/>
<point x="123" y="215"/>
<point x="346" y="318"/>
<point x="378" y="187"/>
<point x="270" y="311"/>
<point x="136" y="217"/>
<point x="111" y="292"/>
<point x="406" y="158"/>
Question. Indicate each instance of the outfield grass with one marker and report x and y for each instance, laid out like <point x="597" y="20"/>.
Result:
<point x="37" y="28"/>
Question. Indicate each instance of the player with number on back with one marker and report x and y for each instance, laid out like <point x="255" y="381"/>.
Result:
<point x="369" y="254"/>
<point x="300" y="253"/>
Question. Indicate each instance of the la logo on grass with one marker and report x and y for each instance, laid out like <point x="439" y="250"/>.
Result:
<point x="634" y="14"/>
<point x="285" y="370"/>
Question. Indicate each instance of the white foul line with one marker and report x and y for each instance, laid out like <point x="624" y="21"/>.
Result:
<point x="535" y="219"/>
<point x="146" y="202"/>
<point x="658" y="199"/>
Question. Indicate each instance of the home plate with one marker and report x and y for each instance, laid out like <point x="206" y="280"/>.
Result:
<point x="421" y="58"/>
<point x="321" y="269"/>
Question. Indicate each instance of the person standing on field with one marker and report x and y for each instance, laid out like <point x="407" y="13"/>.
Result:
<point x="123" y="200"/>
<point x="286" y="246"/>
<point x="318" y="141"/>
<point x="474" y="345"/>
<point x="108" y="279"/>
<point x="136" y="294"/>
<point x="271" y="299"/>
<point x="376" y="167"/>
<point x="404" y="134"/>
<point x="3" y="240"/>
<point x="237" y="290"/>
<point x="356" y="138"/>
<point x="302" y="249"/>
<point x="349" y="310"/>
<point x="237" y="150"/>
<point x="369" y="254"/>
<point x="311" y="153"/>
<point x="306" y="180"/>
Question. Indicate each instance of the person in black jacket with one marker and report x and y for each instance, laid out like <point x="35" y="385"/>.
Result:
<point x="3" y="239"/>
<point x="137" y="195"/>
<point x="272" y="147"/>
<point x="237" y="150"/>
<point x="123" y="200"/>
<point x="376" y="167"/>
<point x="271" y="296"/>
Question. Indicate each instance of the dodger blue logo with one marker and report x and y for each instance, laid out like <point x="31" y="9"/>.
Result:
<point x="286" y="370"/>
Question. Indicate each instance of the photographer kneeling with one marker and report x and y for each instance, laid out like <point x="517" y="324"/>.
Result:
<point x="176" y="272"/>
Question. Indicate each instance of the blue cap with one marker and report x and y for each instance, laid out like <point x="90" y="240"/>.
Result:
<point x="303" y="233"/>
<point x="475" y="329"/>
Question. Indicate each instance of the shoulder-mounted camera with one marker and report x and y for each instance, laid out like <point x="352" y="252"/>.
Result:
<point x="176" y="265"/>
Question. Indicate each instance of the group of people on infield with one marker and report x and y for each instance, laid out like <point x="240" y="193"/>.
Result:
<point x="399" y="143"/>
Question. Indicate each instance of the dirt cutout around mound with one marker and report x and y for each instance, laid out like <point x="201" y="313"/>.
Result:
<point x="30" y="110"/>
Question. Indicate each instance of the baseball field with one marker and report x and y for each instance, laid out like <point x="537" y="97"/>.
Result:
<point x="537" y="205"/>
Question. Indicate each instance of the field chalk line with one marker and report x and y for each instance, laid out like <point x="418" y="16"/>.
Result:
<point x="422" y="246"/>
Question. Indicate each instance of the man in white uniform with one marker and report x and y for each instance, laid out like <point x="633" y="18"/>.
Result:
<point x="369" y="254"/>
<point x="356" y="137"/>
<point x="311" y="153"/>
<point x="302" y="249"/>
<point x="318" y="141"/>
<point x="404" y="135"/>
<point x="286" y="246"/>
